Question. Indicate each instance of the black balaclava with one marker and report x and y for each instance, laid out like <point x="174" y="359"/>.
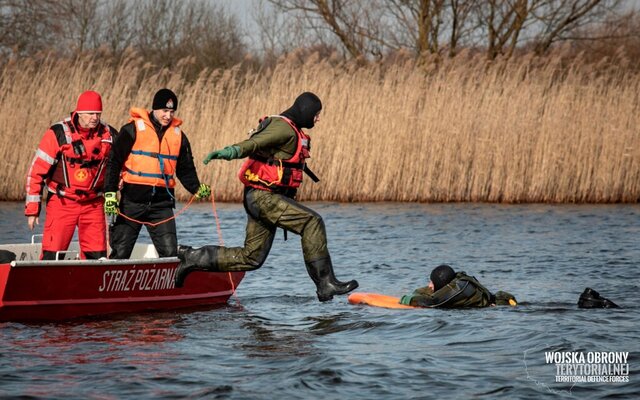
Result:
<point x="441" y="276"/>
<point x="304" y="110"/>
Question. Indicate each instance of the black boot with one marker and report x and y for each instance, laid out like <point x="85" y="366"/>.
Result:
<point x="592" y="299"/>
<point x="202" y="259"/>
<point x="321" y="272"/>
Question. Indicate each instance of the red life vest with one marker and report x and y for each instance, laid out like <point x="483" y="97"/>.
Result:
<point x="152" y="162"/>
<point x="272" y="174"/>
<point x="79" y="173"/>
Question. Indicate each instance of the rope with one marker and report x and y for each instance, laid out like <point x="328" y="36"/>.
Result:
<point x="149" y="223"/>
<point x="221" y="240"/>
<point x="107" y="238"/>
<point x="215" y="215"/>
<point x="164" y="220"/>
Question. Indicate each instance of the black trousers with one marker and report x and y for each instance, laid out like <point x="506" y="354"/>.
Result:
<point x="124" y="233"/>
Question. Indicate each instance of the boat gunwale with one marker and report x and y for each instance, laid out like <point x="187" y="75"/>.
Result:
<point x="127" y="300"/>
<point x="93" y="263"/>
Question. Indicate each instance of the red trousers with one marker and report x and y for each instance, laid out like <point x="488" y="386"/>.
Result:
<point x="63" y="215"/>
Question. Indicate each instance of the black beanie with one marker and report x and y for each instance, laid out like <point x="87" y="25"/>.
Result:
<point x="304" y="110"/>
<point x="441" y="276"/>
<point x="165" y="99"/>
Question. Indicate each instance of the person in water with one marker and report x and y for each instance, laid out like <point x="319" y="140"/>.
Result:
<point x="448" y="289"/>
<point x="276" y="151"/>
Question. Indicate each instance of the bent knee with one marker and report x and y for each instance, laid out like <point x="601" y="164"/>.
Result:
<point x="254" y="262"/>
<point x="255" y="259"/>
<point x="315" y="222"/>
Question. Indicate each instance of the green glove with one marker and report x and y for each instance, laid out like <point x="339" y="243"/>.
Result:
<point x="110" y="204"/>
<point x="204" y="191"/>
<point x="228" y="153"/>
<point x="406" y="299"/>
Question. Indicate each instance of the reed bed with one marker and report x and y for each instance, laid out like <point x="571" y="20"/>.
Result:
<point x="463" y="131"/>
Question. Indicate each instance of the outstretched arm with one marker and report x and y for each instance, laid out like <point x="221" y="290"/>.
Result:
<point x="278" y="136"/>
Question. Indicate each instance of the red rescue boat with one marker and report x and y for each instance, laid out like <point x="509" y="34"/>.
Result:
<point x="34" y="290"/>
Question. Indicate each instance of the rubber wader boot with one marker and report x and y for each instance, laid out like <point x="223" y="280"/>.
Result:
<point x="202" y="259"/>
<point x="321" y="272"/>
<point x="592" y="299"/>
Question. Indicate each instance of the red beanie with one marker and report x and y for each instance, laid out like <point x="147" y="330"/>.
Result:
<point x="89" y="102"/>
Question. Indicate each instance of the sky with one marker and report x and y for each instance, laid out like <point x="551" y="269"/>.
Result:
<point x="242" y="8"/>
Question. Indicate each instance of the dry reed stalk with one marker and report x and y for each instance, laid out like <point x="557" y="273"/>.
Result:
<point x="465" y="131"/>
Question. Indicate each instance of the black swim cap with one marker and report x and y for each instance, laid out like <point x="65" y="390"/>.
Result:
<point x="441" y="276"/>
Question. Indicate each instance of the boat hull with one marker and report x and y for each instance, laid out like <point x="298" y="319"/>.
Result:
<point x="61" y="290"/>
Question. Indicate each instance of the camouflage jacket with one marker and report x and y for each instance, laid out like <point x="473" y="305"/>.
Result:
<point x="462" y="291"/>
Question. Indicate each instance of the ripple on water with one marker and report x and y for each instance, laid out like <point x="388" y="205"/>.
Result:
<point x="275" y="340"/>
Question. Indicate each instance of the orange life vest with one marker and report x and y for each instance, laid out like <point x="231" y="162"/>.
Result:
<point x="271" y="174"/>
<point x="79" y="174"/>
<point x="152" y="162"/>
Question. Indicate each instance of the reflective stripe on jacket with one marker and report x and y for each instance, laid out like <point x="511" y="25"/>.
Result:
<point x="69" y="163"/>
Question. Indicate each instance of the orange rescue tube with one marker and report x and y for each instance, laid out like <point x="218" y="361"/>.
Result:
<point x="376" y="300"/>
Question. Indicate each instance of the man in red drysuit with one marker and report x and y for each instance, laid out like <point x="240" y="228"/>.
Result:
<point x="70" y="162"/>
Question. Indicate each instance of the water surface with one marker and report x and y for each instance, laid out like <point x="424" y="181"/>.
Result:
<point x="275" y="340"/>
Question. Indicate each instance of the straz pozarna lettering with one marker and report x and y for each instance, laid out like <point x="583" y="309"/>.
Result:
<point x="137" y="279"/>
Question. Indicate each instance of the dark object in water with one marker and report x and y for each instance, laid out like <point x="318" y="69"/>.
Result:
<point x="7" y="256"/>
<point x="592" y="299"/>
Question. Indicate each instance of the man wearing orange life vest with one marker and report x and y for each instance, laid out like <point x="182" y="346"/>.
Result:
<point x="151" y="151"/>
<point x="276" y="151"/>
<point x="70" y="161"/>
